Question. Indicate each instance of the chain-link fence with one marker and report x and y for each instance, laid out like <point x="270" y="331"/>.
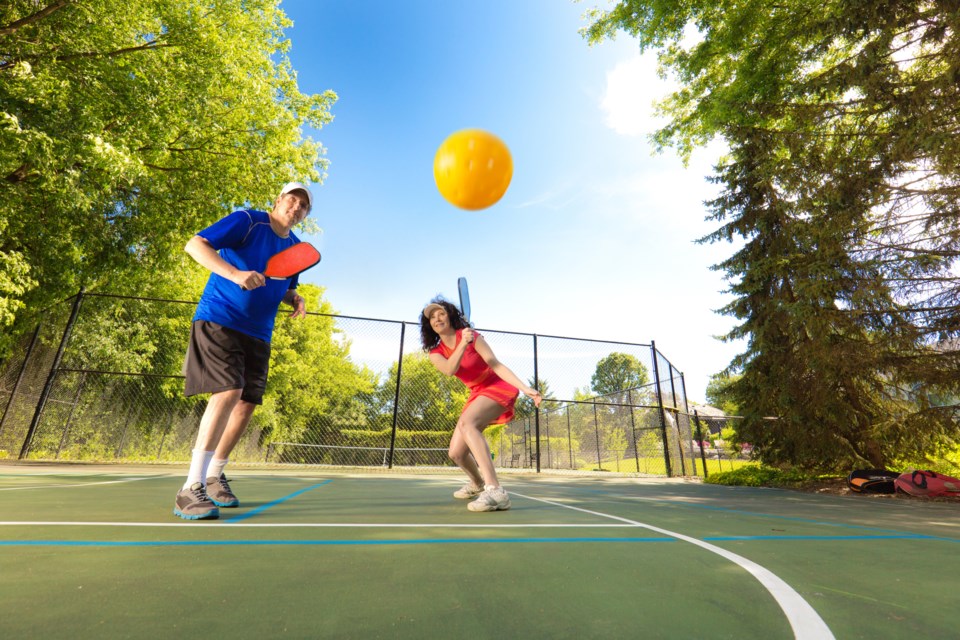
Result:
<point x="710" y="449"/>
<point x="100" y="379"/>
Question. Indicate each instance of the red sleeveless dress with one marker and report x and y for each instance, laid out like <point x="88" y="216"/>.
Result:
<point x="481" y="379"/>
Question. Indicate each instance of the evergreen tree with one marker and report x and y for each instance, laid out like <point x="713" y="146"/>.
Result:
<point x="843" y="183"/>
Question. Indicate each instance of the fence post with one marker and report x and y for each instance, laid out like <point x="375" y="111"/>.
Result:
<point x="546" y="431"/>
<point x="569" y="437"/>
<point x="663" y="419"/>
<point x="41" y="404"/>
<point x="23" y="370"/>
<point x="396" y="397"/>
<point x="686" y="411"/>
<point x="536" y="409"/>
<point x="633" y="428"/>
<point x="703" y="456"/>
<point x="527" y="445"/>
<point x="683" y="386"/>
<point x="676" y="419"/>
<point x="596" y="432"/>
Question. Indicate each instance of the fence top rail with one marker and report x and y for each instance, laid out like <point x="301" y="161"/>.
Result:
<point x="89" y="294"/>
<point x="602" y="403"/>
<point x="121" y="373"/>
<point x="410" y="322"/>
<point x="629" y="344"/>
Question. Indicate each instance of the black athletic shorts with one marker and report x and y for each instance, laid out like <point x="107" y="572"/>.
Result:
<point x="221" y="359"/>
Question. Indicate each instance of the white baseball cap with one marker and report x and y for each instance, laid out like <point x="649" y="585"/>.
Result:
<point x="298" y="186"/>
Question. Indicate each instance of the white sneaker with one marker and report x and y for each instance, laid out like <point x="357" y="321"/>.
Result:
<point x="467" y="491"/>
<point x="492" y="499"/>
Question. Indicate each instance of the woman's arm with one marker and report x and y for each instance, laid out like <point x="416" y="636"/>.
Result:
<point x="485" y="352"/>
<point x="449" y="366"/>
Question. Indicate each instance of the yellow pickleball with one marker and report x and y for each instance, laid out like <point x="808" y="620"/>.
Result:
<point x="472" y="169"/>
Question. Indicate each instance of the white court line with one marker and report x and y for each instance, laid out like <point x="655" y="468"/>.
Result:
<point x="804" y="620"/>
<point x="79" y="484"/>
<point x="346" y="525"/>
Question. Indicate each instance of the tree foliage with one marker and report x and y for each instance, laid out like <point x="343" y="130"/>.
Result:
<point x="314" y="388"/>
<point x="525" y="406"/>
<point x="843" y="182"/>
<point x="429" y="400"/>
<point x="127" y="126"/>
<point x="718" y="393"/>
<point x="619" y="372"/>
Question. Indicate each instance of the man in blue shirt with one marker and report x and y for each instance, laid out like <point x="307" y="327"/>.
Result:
<point x="229" y="349"/>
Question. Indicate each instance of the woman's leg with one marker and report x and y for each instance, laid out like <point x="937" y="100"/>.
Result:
<point x="475" y="418"/>
<point x="459" y="452"/>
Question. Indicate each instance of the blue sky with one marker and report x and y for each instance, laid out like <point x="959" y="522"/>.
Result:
<point x="595" y="236"/>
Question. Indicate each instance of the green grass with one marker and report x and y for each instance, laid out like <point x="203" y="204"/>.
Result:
<point x="759" y="476"/>
<point x="654" y="465"/>
<point x="723" y="466"/>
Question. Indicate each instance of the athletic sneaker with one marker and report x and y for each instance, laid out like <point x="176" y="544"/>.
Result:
<point x="194" y="504"/>
<point x="467" y="491"/>
<point x="218" y="489"/>
<point x="492" y="499"/>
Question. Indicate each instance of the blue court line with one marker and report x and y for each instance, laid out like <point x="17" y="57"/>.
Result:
<point x="262" y="508"/>
<point x="902" y="536"/>
<point x="373" y="543"/>
<point x="296" y="543"/>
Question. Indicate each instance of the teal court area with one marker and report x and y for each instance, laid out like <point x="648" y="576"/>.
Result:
<point x="95" y="552"/>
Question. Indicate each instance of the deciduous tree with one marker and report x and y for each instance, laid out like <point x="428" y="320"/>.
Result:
<point x="126" y="126"/>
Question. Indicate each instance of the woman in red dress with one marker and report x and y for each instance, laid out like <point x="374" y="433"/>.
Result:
<point x="457" y="350"/>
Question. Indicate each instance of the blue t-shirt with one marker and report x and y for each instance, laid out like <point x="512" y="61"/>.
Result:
<point x="246" y="240"/>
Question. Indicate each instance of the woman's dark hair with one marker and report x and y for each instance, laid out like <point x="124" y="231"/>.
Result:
<point x="428" y="337"/>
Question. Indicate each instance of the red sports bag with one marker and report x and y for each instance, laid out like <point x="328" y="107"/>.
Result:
<point x="928" y="484"/>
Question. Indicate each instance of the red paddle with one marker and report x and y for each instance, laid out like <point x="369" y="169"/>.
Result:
<point x="292" y="261"/>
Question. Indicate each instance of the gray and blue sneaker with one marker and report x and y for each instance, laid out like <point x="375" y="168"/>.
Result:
<point x="218" y="489"/>
<point x="194" y="504"/>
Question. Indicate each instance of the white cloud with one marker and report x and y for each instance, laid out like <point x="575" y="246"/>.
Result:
<point x="632" y="88"/>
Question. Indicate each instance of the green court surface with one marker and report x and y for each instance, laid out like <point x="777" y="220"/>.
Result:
<point x="96" y="552"/>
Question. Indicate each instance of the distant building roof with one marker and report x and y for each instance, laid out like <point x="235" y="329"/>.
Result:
<point x="706" y="410"/>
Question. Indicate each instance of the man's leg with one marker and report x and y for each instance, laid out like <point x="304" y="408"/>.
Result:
<point x="235" y="428"/>
<point x="218" y="488"/>
<point x="215" y="364"/>
<point x="214" y="422"/>
<point x="192" y="502"/>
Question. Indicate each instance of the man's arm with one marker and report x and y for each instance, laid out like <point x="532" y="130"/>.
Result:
<point x="206" y="256"/>
<point x="296" y="301"/>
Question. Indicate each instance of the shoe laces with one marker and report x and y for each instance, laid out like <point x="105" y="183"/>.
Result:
<point x="222" y="480"/>
<point x="200" y="492"/>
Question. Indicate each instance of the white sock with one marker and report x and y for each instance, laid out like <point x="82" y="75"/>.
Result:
<point x="216" y="467"/>
<point x="198" y="462"/>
